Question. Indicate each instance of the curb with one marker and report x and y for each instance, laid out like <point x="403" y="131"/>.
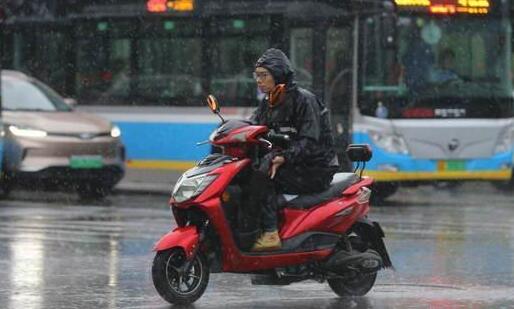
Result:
<point x="143" y="188"/>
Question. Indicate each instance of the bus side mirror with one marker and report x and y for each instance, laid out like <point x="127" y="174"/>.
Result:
<point x="388" y="27"/>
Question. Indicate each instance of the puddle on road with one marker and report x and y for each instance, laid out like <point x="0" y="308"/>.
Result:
<point x="419" y="291"/>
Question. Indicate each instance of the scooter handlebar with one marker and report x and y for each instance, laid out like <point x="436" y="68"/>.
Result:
<point x="278" y="136"/>
<point x="268" y="144"/>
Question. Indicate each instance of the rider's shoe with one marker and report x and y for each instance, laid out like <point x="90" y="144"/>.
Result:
<point x="267" y="241"/>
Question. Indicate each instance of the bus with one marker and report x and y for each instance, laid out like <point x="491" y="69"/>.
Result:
<point x="147" y="65"/>
<point x="427" y="83"/>
<point x="435" y="93"/>
<point x="3" y="190"/>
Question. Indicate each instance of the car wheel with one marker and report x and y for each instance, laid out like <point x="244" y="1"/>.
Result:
<point x="5" y="185"/>
<point x="93" y="191"/>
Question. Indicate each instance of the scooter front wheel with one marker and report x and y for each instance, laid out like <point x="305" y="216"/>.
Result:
<point x="177" y="281"/>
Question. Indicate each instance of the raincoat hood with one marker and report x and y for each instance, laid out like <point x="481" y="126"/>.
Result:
<point x="277" y="63"/>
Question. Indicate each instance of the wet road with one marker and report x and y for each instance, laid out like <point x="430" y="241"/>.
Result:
<point x="451" y="249"/>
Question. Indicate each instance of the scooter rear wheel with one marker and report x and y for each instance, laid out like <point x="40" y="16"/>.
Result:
<point x="174" y="283"/>
<point x="356" y="286"/>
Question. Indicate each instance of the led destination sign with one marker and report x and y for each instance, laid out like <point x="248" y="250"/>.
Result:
<point x="447" y="6"/>
<point x="161" y="6"/>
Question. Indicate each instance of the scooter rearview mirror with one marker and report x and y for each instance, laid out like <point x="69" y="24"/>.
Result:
<point x="213" y="104"/>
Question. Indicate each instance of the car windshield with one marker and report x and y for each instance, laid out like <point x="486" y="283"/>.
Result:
<point x="29" y="95"/>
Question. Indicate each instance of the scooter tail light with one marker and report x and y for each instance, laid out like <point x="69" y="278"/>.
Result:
<point x="364" y="195"/>
<point x="171" y="201"/>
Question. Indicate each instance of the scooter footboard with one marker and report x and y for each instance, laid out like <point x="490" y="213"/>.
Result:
<point x="186" y="238"/>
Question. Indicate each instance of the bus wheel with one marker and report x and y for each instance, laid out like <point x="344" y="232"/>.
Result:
<point x="448" y="185"/>
<point x="504" y="186"/>
<point x="6" y="184"/>
<point x="383" y="190"/>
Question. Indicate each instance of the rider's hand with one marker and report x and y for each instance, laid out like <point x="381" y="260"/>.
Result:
<point x="275" y="164"/>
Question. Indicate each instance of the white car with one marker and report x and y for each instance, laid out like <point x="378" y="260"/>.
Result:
<point x="50" y="145"/>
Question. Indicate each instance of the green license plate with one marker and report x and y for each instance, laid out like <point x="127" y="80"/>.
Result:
<point x="452" y="165"/>
<point x="86" y="162"/>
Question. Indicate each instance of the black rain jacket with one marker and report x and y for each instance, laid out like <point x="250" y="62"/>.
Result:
<point x="301" y="115"/>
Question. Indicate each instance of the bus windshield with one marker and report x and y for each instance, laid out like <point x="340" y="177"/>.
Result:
<point x="450" y="63"/>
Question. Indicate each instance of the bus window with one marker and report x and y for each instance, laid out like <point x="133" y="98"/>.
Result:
<point x="91" y="75"/>
<point x="457" y="61"/>
<point x="233" y="64"/>
<point x="235" y="45"/>
<point x="338" y="69"/>
<point x="103" y="62"/>
<point x="381" y="65"/>
<point x="119" y="68"/>
<point x="301" y="55"/>
<point x="169" y="60"/>
<point x="338" y="87"/>
<point x="41" y="53"/>
<point x="169" y="70"/>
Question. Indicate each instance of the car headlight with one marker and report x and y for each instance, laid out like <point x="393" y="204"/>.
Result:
<point x="115" y="131"/>
<point x="186" y="188"/>
<point x="505" y="143"/>
<point x="26" y="131"/>
<point x="389" y="142"/>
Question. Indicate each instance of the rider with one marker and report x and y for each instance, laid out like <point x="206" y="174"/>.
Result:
<point x="446" y="70"/>
<point x="308" y="162"/>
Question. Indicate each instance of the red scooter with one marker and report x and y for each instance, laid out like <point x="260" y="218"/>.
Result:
<point x="325" y="236"/>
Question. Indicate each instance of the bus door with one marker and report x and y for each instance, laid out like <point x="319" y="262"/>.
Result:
<point x="338" y="85"/>
<point x="2" y="133"/>
<point x="301" y="54"/>
<point x="234" y="46"/>
<point x="170" y="62"/>
<point x="321" y="54"/>
<point x="41" y="52"/>
<point x="103" y="61"/>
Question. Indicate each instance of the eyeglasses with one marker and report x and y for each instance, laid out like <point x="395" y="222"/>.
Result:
<point x="260" y="75"/>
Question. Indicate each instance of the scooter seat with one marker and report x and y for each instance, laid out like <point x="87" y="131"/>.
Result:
<point x="339" y="183"/>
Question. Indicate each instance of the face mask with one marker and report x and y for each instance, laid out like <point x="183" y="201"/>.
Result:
<point x="277" y="95"/>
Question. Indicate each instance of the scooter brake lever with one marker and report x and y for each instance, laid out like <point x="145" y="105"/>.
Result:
<point x="202" y="143"/>
<point x="269" y="145"/>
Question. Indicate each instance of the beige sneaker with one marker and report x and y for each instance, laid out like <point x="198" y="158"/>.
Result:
<point x="267" y="241"/>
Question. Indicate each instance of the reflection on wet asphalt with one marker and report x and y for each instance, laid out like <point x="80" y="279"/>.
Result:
<point x="451" y="249"/>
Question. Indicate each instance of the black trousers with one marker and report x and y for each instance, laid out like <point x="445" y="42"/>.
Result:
<point x="289" y="179"/>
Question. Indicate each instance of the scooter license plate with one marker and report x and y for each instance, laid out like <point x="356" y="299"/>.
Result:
<point x="79" y="162"/>
<point x="451" y="165"/>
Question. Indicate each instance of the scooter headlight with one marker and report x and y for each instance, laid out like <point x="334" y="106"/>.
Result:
<point x="187" y="188"/>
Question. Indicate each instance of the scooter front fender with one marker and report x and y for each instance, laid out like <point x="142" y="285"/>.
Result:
<point x="186" y="238"/>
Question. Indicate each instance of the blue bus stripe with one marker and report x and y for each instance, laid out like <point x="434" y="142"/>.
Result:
<point x="407" y="163"/>
<point x="165" y="141"/>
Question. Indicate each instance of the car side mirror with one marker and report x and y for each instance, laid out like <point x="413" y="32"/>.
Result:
<point x="359" y="152"/>
<point x="71" y="102"/>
